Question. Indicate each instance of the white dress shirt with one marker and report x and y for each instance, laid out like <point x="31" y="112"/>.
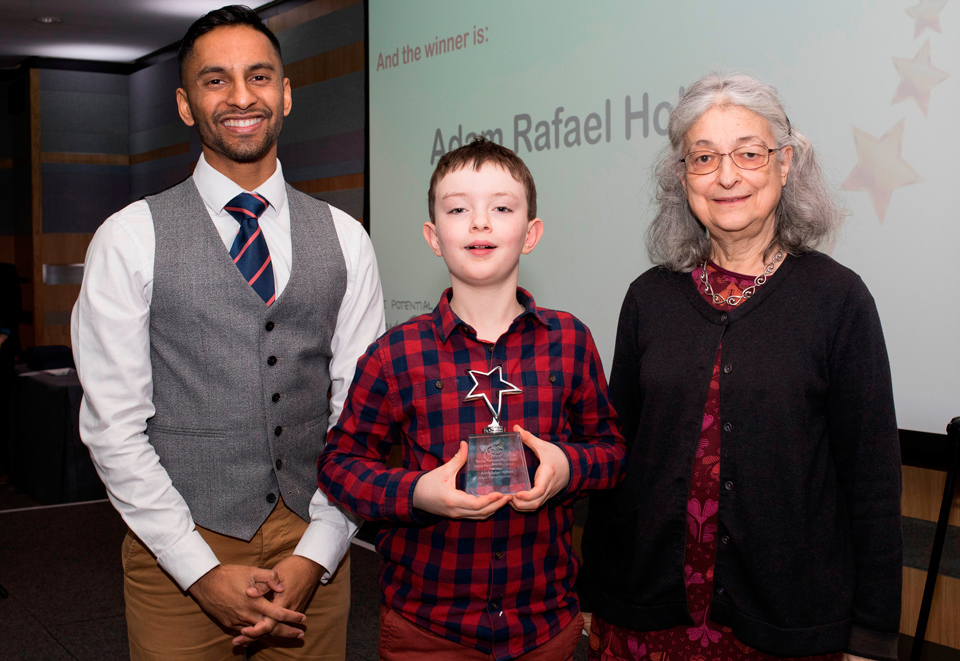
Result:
<point x="110" y="329"/>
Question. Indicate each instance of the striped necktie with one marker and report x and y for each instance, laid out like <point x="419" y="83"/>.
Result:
<point x="249" y="251"/>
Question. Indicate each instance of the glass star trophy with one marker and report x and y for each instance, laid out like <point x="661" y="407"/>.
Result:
<point x="495" y="462"/>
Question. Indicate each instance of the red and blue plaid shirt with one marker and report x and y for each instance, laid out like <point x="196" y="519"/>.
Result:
<point x="504" y="585"/>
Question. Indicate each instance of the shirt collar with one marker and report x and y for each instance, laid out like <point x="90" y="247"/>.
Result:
<point x="446" y="320"/>
<point x="217" y="189"/>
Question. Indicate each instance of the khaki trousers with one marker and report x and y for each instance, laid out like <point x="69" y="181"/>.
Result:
<point x="165" y="623"/>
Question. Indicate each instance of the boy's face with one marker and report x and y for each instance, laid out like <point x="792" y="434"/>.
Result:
<point x="481" y="226"/>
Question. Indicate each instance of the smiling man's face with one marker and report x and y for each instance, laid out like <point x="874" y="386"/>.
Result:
<point x="235" y="94"/>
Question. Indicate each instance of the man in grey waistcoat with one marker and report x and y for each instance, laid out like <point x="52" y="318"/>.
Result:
<point x="213" y="321"/>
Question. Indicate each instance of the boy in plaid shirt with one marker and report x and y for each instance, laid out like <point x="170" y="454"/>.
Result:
<point x="487" y="577"/>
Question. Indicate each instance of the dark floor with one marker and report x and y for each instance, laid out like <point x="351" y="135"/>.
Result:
<point x="61" y="567"/>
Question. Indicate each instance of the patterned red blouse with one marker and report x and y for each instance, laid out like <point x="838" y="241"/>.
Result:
<point x="705" y="640"/>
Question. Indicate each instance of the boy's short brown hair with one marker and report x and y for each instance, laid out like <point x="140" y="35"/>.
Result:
<point x="478" y="152"/>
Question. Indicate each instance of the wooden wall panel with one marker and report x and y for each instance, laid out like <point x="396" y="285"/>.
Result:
<point x="342" y="182"/>
<point x="84" y="159"/>
<point x="307" y="12"/>
<point x="65" y="248"/>
<point x="60" y="298"/>
<point x="57" y="335"/>
<point x="162" y="152"/>
<point x="8" y="254"/>
<point x="23" y="258"/>
<point x="324" y="66"/>
<point x="922" y="493"/>
<point x="944" y="624"/>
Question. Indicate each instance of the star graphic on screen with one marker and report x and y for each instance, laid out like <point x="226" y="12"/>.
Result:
<point x="880" y="167"/>
<point x="493" y="383"/>
<point x="926" y="15"/>
<point x="917" y="77"/>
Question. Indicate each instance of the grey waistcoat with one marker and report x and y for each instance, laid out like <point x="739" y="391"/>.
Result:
<point x="240" y="389"/>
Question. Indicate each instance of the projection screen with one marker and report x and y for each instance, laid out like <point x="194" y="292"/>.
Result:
<point x="582" y="92"/>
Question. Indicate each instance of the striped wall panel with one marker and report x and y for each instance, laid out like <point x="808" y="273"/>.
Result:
<point x="153" y="101"/>
<point x="320" y="34"/>
<point x="167" y="168"/>
<point x="84" y="140"/>
<point x="84" y="112"/>
<point x="108" y="139"/>
<point x="163" y="150"/>
<point x="310" y="11"/>
<point x="322" y="144"/>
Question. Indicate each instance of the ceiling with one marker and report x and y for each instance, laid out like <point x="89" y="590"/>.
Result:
<point x="120" y="31"/>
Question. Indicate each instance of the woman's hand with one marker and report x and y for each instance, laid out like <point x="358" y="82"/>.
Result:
<point x="552" y="477"/>
<point x="436" y="492"/>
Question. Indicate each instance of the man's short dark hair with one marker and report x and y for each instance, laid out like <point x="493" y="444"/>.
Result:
<point x="224" y="17"/>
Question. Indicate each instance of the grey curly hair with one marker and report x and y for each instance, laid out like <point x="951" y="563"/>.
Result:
<point x="807" y="214"/>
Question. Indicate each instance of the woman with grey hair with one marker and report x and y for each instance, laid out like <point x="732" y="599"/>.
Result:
<point x="759" y="516"/>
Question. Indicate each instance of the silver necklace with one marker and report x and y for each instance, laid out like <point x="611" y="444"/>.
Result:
<point x="748" y="292"/>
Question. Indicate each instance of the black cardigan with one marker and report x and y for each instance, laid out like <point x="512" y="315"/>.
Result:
<point x="809" y="464"/>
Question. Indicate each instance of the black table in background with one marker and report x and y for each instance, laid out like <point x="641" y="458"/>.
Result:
<point x="48" y="460"/>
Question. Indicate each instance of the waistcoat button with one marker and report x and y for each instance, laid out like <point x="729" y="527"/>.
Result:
<point x="271" y="498"/>
<point x="276" y="397"/>
<point x="269" y="326"/>
<point x="271" y="361"/>
<point x="277" y="430"/>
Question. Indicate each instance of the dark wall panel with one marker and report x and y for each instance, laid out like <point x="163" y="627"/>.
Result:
<point x="323" y="170"/>
<point x="334" y="148"/>
<point x="83" y="122"/>
<point x="16" y="217"/>
<point x="83" y="81"/>
<point x="326" y="109"/>
<point x="77" y="198"/>
<point x="155" y="176"/>
<point x="153" y="98"/>
<point x="350" y="200"/>
<point x="159" y="137"/>
<point x="323" y="34"/>
<point x="6" y="146"/>
<point x="84" y="112"/>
